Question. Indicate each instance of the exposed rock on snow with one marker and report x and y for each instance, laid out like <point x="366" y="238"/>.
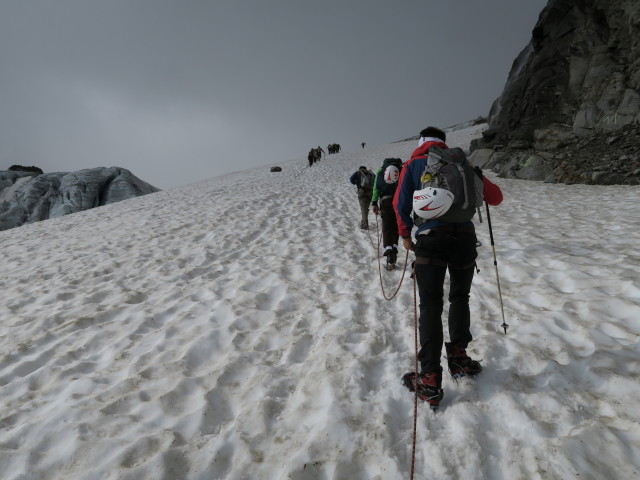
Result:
<point x="26" y="196"/>
<point x="610" y="159"/>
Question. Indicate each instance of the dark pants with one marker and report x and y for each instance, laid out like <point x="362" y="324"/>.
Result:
<point x="389" y="223"/>
<point x="364" y="199"/>
<point x="435" y="254"/>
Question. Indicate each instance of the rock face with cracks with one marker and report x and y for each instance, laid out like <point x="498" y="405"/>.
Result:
<point x="571" y="104"/>
<point x="27" y="196"/>
<point x="581" y="70"/>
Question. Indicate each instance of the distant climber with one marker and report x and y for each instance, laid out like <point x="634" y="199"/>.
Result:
<point x="382" y="203"/>
<point x="363" y="179"/>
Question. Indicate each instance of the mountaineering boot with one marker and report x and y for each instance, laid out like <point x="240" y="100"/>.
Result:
<point x="390" y="265"/>
<point x="459" y="362"/>
<point x="428" y="386"/>
<point x="391" y="259"/>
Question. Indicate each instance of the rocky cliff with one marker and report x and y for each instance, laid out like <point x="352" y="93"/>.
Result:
<point x="27" y="196"/>
<point x="573" y="94"/>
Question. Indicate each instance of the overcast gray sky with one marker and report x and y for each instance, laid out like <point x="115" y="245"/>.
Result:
<point x="182" y="90"/>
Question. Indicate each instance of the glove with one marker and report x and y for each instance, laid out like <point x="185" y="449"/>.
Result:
<point x="375" y="209"/>
<point x="478" y="171"/>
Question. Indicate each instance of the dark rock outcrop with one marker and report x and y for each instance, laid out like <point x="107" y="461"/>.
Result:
<point x="598" y="159"/>
<point x="20" y="168"/>
<point x="574" y="86"/>
<point x="581" y="69"/>
<point x="27" y="197"/>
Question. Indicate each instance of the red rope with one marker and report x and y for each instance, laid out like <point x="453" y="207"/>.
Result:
<point x="415" y="334"/>
<point x="406" y="259"/>
<point x="378" y="236"/>
<point x="415" y="377"/>
<point x="404" y="271"/>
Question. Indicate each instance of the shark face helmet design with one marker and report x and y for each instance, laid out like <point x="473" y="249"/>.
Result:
<point x="391" y="174"/>
<point x="430" y="203"/>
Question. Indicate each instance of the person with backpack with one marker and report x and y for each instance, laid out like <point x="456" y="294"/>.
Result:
<point x="364" y="179"/>
<point x="438" y="192"/>
<point x="383" y="190"/>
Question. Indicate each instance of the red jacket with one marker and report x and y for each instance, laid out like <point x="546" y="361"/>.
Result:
<point x="410" y="181"/>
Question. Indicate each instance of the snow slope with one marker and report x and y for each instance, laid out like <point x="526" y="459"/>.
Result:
<point x="235" y="329"/>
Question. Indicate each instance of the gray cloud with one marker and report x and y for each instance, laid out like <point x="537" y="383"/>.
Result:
<point x="178" y="91"/>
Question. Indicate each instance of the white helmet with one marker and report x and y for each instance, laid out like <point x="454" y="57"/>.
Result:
<point x="391" y="174"/>
<point x="431" y="202"/>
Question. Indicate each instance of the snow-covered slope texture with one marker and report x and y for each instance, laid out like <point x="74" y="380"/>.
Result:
<point x="235" y="329"/>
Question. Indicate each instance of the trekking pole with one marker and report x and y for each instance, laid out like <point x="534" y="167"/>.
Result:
<point x="479" y="214"/>
<point x="495" y="263"/>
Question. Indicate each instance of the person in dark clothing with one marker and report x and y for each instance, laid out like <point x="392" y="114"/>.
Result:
<point x="440" y="246"/>
<point x="382" y="202"/>
<point x="364" y="179"/>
